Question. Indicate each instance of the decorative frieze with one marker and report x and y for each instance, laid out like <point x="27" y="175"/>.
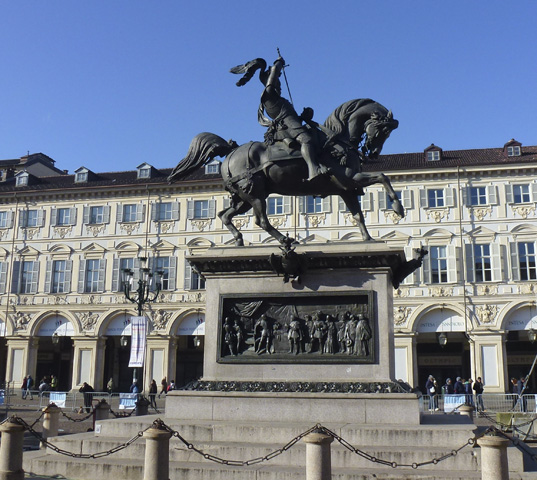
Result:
<point x="400" y="315"/>
<point x="528" y="288"/>
<point x="160" y="319"/>
<point x="316" y="219"/>
<point x="88" y="320"/>
<point x="278" y="221"/>
<point x="523" y="211"/>
<point x="487" y="289"/>
<point x="486" y="314"/>
<point x="391" y="215"/>
<point x="480" y="212"/>
<point x="128" y="228"/>
<point x="30" y="233"/>
<point x="440" y="291"/>
<point x="437" y="214"/>
<point x="201" y="224"/>
<point x="240" y="222"/>
<point x="20" y="320"/>
<point x="95" y="230"/>
<point x="62" y="231"/>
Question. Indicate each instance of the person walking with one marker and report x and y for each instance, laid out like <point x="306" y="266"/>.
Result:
<point x="163" y="387"/>
<point x="23" y="387"/>
<point x="87" y="390"/>
<point x="431" y="391"/>
<point x="29" y="385"/>
<point x="54" y="382"/>
<point x="152" y="394"/>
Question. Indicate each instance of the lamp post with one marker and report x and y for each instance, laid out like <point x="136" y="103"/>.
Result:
<point x="142" y="294"/>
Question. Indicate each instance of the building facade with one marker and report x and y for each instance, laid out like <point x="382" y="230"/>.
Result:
<point x="65" y="239"/>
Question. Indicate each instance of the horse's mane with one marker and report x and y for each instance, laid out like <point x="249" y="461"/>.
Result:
<point x="339" y="118"/>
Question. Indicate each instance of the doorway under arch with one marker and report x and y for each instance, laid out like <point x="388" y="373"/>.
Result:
<point x="190" y="335"/>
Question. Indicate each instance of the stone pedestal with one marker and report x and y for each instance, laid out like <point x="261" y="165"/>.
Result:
<point x="264" y="370"/>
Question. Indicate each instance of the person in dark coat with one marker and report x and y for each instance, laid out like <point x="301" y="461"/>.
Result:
<point x="152" y="393"/>
<point x="478" y="389"/>
<point x="87" y="390"/>
<point x="458" y="387"/>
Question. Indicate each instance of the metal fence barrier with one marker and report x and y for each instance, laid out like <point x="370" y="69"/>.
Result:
<point x="487" y="402"/>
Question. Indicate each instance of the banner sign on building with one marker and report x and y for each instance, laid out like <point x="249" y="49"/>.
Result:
<point x="138" y="340"/>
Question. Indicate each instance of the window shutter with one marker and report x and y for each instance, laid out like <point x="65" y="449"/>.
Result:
<point x="406" y="198"/>
<point x="119" y="213"/>
<point x="515" y="265"/>
<point x="35" y="277"/>
<point x="383" y="200"/>
<point x="212" y="208"/>
<point x="72" y="216"/>
<point x="140" y="211"/>
<point x="450" y="197"/>
<point x="3" y="277"/>
<point x="24" y="218"/>
<point x="496" y="260"/>
<point x="53" y="219"/>
<point x="81" y="275"/>
<point x="427" y="267"/>
<point x="327" y="206"/>
<point x="424" y="202"/>
<point x="453" y="263"/>
<point x="188" y="276"/>
<point x="367" y="202"/>
<point x="68" y="276"/>
<point x="492" y="196"/>
<point x="48" y="277"/>
<point x="342" y="206"/>
<point x="301" y="204"/>
<point x="533" y="188"/>
<point x="509" y="198"/>
<point x="190" y="209"/>
<point x="116" y="276"/>
<point x="10" y="219"/>
<point x="86" y="215"/>
<point x="470" y="267"/>
<point x="287" y="209"/>
<point x="106" y="214"/>
<point x="172" y="275"/>
<point x="175" y="210"/>
<point x="227" y="203"/>
<point x="136" y="267"/>
<point x="40" y="218"/>
<point x="154" y="212"/>
<point x="102" y="274"/>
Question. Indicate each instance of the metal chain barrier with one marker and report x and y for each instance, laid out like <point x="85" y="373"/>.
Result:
<point x="122" y="415"/>
<point x="122" y="446"/>
<point x="77" y="419"/>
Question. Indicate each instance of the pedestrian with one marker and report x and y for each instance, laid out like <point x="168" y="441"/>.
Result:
<point x="134" y="387"/>
<point x="431" y="391"/>
<point x="478" y="389"/>
<point x="29" y="385"/>
<point x="458" y="387"/>
<point x="448" y="389"/>
<point x="164" y="387"/>
<point x="23" y="387"/>
<point x="520" y="391"/>
<point x="54" y="382"/>
<point x="110" y="386"/>
<point x="87" y="390"/>
<point x="152" y="393"/>
<point x="171" y="386"/>
<point x="44" y="386"/>
<point x="468" y="390"/>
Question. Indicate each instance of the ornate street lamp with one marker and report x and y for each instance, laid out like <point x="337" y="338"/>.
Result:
<point x="442" y="339"/>
<point x="142" y="294"/>
<point x="532" y="335"/>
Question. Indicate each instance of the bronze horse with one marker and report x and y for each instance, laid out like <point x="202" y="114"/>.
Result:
<point x="353" y="133"/>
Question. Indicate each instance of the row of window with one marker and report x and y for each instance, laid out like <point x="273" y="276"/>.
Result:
<point x="483" y="263"/>
<point x="197" y="209"/>
<point x="91" y="275"/>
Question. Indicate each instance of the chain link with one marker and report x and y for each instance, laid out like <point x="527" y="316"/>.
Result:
<point x="122" y="415"/>
<point x="77" y="419"/>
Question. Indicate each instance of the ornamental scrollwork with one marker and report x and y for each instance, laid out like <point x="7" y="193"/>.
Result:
<point x="486" y="313"/>
<point x="391" y="215"/>
<point x="128" y="228"/>
<point x="400" y="315"/>
<point x="62" y="231"/>
<point x="523" y="210"/>
<point x="20" y="320"/>
<point x="441" y="291"/>
<point x="88" y="320"/>
<point x="201" y="225"/>
<point x="160" y="319"/>
<point x="480" y="212"/>
<point x="95" y="230"/>
<point x="240" y="223"/>
<point x="316" y="219"/>
<point x="438" y="214"/>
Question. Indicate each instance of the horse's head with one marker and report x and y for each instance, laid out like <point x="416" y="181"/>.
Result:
<point x="377" y="130"/>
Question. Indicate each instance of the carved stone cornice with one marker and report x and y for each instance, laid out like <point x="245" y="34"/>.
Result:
<point x="201" y="224"/>
<point x="480" y="212"/>
<point x="128" y="228"/>
<point x="95" y="230"/>
<point x="437" y="214"/>
<point x="240" y="223"/>
<point x="315" y="219"/>
<point x="62" y="230"/>
<point x="391" y="215"/>
<point x="441" y="291"/>
<point x="523" y="210"/>
<point x="487" y="289"/>
<point x="528" y="288"/>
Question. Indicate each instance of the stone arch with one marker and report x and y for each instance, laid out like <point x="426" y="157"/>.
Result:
<point x="445" y="317"/>
<point x="189" y="318"/>
<point x="52" y="322"/>
<point x="518" y="316"/>
<point x="106" y="321"/>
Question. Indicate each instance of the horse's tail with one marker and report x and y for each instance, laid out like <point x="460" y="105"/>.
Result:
<point x="203" y="148"/>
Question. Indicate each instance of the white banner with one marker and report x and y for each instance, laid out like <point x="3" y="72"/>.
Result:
<point x="451" y="402"/>
<point x="138" y="340"/>
<point x="58" y="399"/>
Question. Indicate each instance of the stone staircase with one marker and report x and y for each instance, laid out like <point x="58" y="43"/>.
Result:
<point x="244" y="441"/>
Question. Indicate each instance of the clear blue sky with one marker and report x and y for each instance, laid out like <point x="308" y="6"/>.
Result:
<point x="111" y="84"/>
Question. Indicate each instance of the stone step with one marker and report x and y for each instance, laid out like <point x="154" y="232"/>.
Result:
<point x="451" y="436"/>
<point x="243" y="451"/>
<point x="113" y="469"/>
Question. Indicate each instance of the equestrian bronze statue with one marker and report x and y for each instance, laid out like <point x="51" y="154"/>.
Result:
<point x="298" y="157"/>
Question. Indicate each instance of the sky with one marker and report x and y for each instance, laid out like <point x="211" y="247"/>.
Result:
<point x="110" y="84"/>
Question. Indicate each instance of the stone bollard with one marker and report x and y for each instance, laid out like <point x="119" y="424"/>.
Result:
<point x="494" y="465"/>
<point x="467" y="411"/>
<point x="102" y="410"/>
<point x="11" y="451"/>
<point x="318" y="459"/>
<point x="157" y="452"/>
<point x="51" y="421"/>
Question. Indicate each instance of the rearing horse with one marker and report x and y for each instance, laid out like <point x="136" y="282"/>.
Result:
<point x="354" y="132"/>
